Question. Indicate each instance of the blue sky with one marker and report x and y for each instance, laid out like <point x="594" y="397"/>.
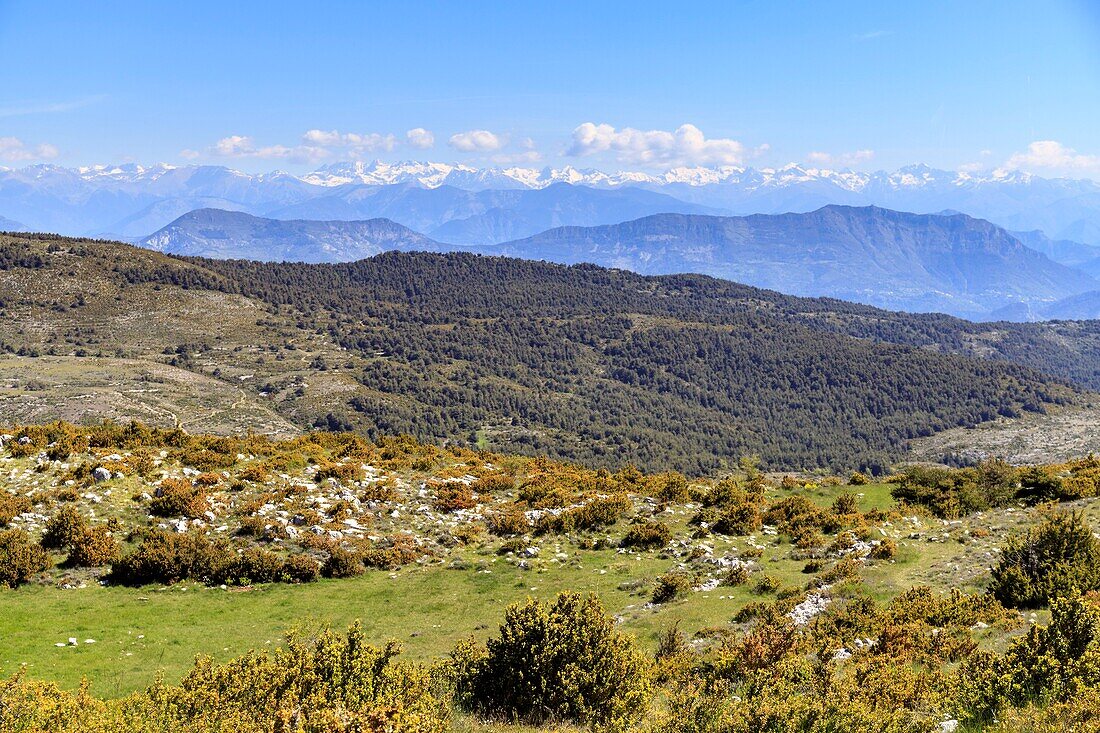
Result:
<point x="260" y="86"/>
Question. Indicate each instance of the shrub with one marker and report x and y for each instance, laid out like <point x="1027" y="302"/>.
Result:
<point x="254" y="472"/>
<point x="887" y="549"/>
<point x="393" y="552"/>
<point x="1056" y="558"/>
<point x="1040" y="484"/>
<point x="1046" y="664"/>
<point x="208" y="479"/>
<point x="12" y="506"/>
<point x="178" y="498"/>
<point x="858" y="479"/>
<point x="301" y="568"/>
<point x="494" y="483"/>
<point x="564" y="661"/>
<point x="317" y="683"/>
<point x="671" y="586"/>
<point x="452" y="497"/>
<point x="92" y="548"/>
<point x="794" y="515"/>
<point x="951" y="492"/>
<point x="845" y="503"/>
<point x="254" y="565"/>
<point x="167" y="557"/>
<point x="597" y="513"/>
<point x="206" y="459"/>
<point x="342" y="563"/>
<point x="341" y="472"/>
<point x="62" y="528"/>
<point x="252" y="526"/>
<point x="508" y="522"/>
<point x="672" y="487"/>
<point x="647" y="535"/>
<point x="737" y="575"/>
<point x="761" y="647"/>
<point x="765" y="584"/>
<point x="20" y="559"/>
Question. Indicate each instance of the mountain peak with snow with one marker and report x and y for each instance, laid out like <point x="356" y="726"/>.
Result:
<point x="132" y="199"/>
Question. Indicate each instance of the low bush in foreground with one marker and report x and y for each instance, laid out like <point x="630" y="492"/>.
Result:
<point x="321" y="683"/>
<point x="20" y="559"/>
<point x="1060" y="557"/>
<point x="556" y="662"/>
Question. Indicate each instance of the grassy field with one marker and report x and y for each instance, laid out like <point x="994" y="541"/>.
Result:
<point x="431" y="605"/>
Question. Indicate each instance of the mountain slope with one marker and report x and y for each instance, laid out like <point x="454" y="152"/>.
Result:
<point x="1063" y="251"/>
<point x="229" y="234"/>
<point x="8" y="225"/>
<point x="1084" y="306"/>
<point x="457" y="216"/>
<point x="594" y="365"/>
<point x="891" y="259"/>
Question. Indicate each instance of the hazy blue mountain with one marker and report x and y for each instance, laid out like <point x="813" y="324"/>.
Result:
<point x="152" y="217"/>
<point x="236" y="235"/>
<point x="122" y="200"/>
<point x="132" y="200"/>
<point x="1081" y="307"/>
<point x="1062" y="208"/>
<point x="918" y="262"/>
<point x="10" y="225"/>
<point x="1063" y="251"/>
<point x="453" y="215"/>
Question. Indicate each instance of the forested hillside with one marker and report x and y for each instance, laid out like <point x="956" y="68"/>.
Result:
<point x="599" y="366"/>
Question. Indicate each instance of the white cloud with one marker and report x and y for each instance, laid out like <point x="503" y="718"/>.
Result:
<point x="972" y="168"/>
<point x="527" y="157"/>
<point x="1051" y="155"/>
<point x="315" y="145"/>
<point x="476" y="141"/>
<point x="242" y="146"/>
<point x="353" y="142"/>
<point x="13" y="149"/>
<point x="840" y="159"/>
<point x="420" y="138"/>
<point x="50" y="107"/>
<point x="685" y="145"/>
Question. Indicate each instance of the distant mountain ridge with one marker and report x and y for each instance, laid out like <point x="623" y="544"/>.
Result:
<point x="918" y="262"/>
<point x="236" y="235"/>
<point x="890" y="259"/>
<point x="130" y="201"/>
<point x="8" y="225"/>
<point x="458" y="216"/>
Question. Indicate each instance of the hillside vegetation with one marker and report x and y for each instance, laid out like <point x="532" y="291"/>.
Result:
<point x="593" y="365"/>
<point x="529" y="592"/>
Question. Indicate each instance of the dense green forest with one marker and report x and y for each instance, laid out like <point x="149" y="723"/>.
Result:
<point x="598" y="366"/>
<point x="605" y="367"/>
<point x="1065" y="349"/>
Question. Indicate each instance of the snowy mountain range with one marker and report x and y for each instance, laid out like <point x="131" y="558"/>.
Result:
<point x="130" y="201"/>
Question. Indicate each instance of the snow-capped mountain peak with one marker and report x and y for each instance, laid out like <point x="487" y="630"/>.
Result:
<point x="132" y="200"/>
